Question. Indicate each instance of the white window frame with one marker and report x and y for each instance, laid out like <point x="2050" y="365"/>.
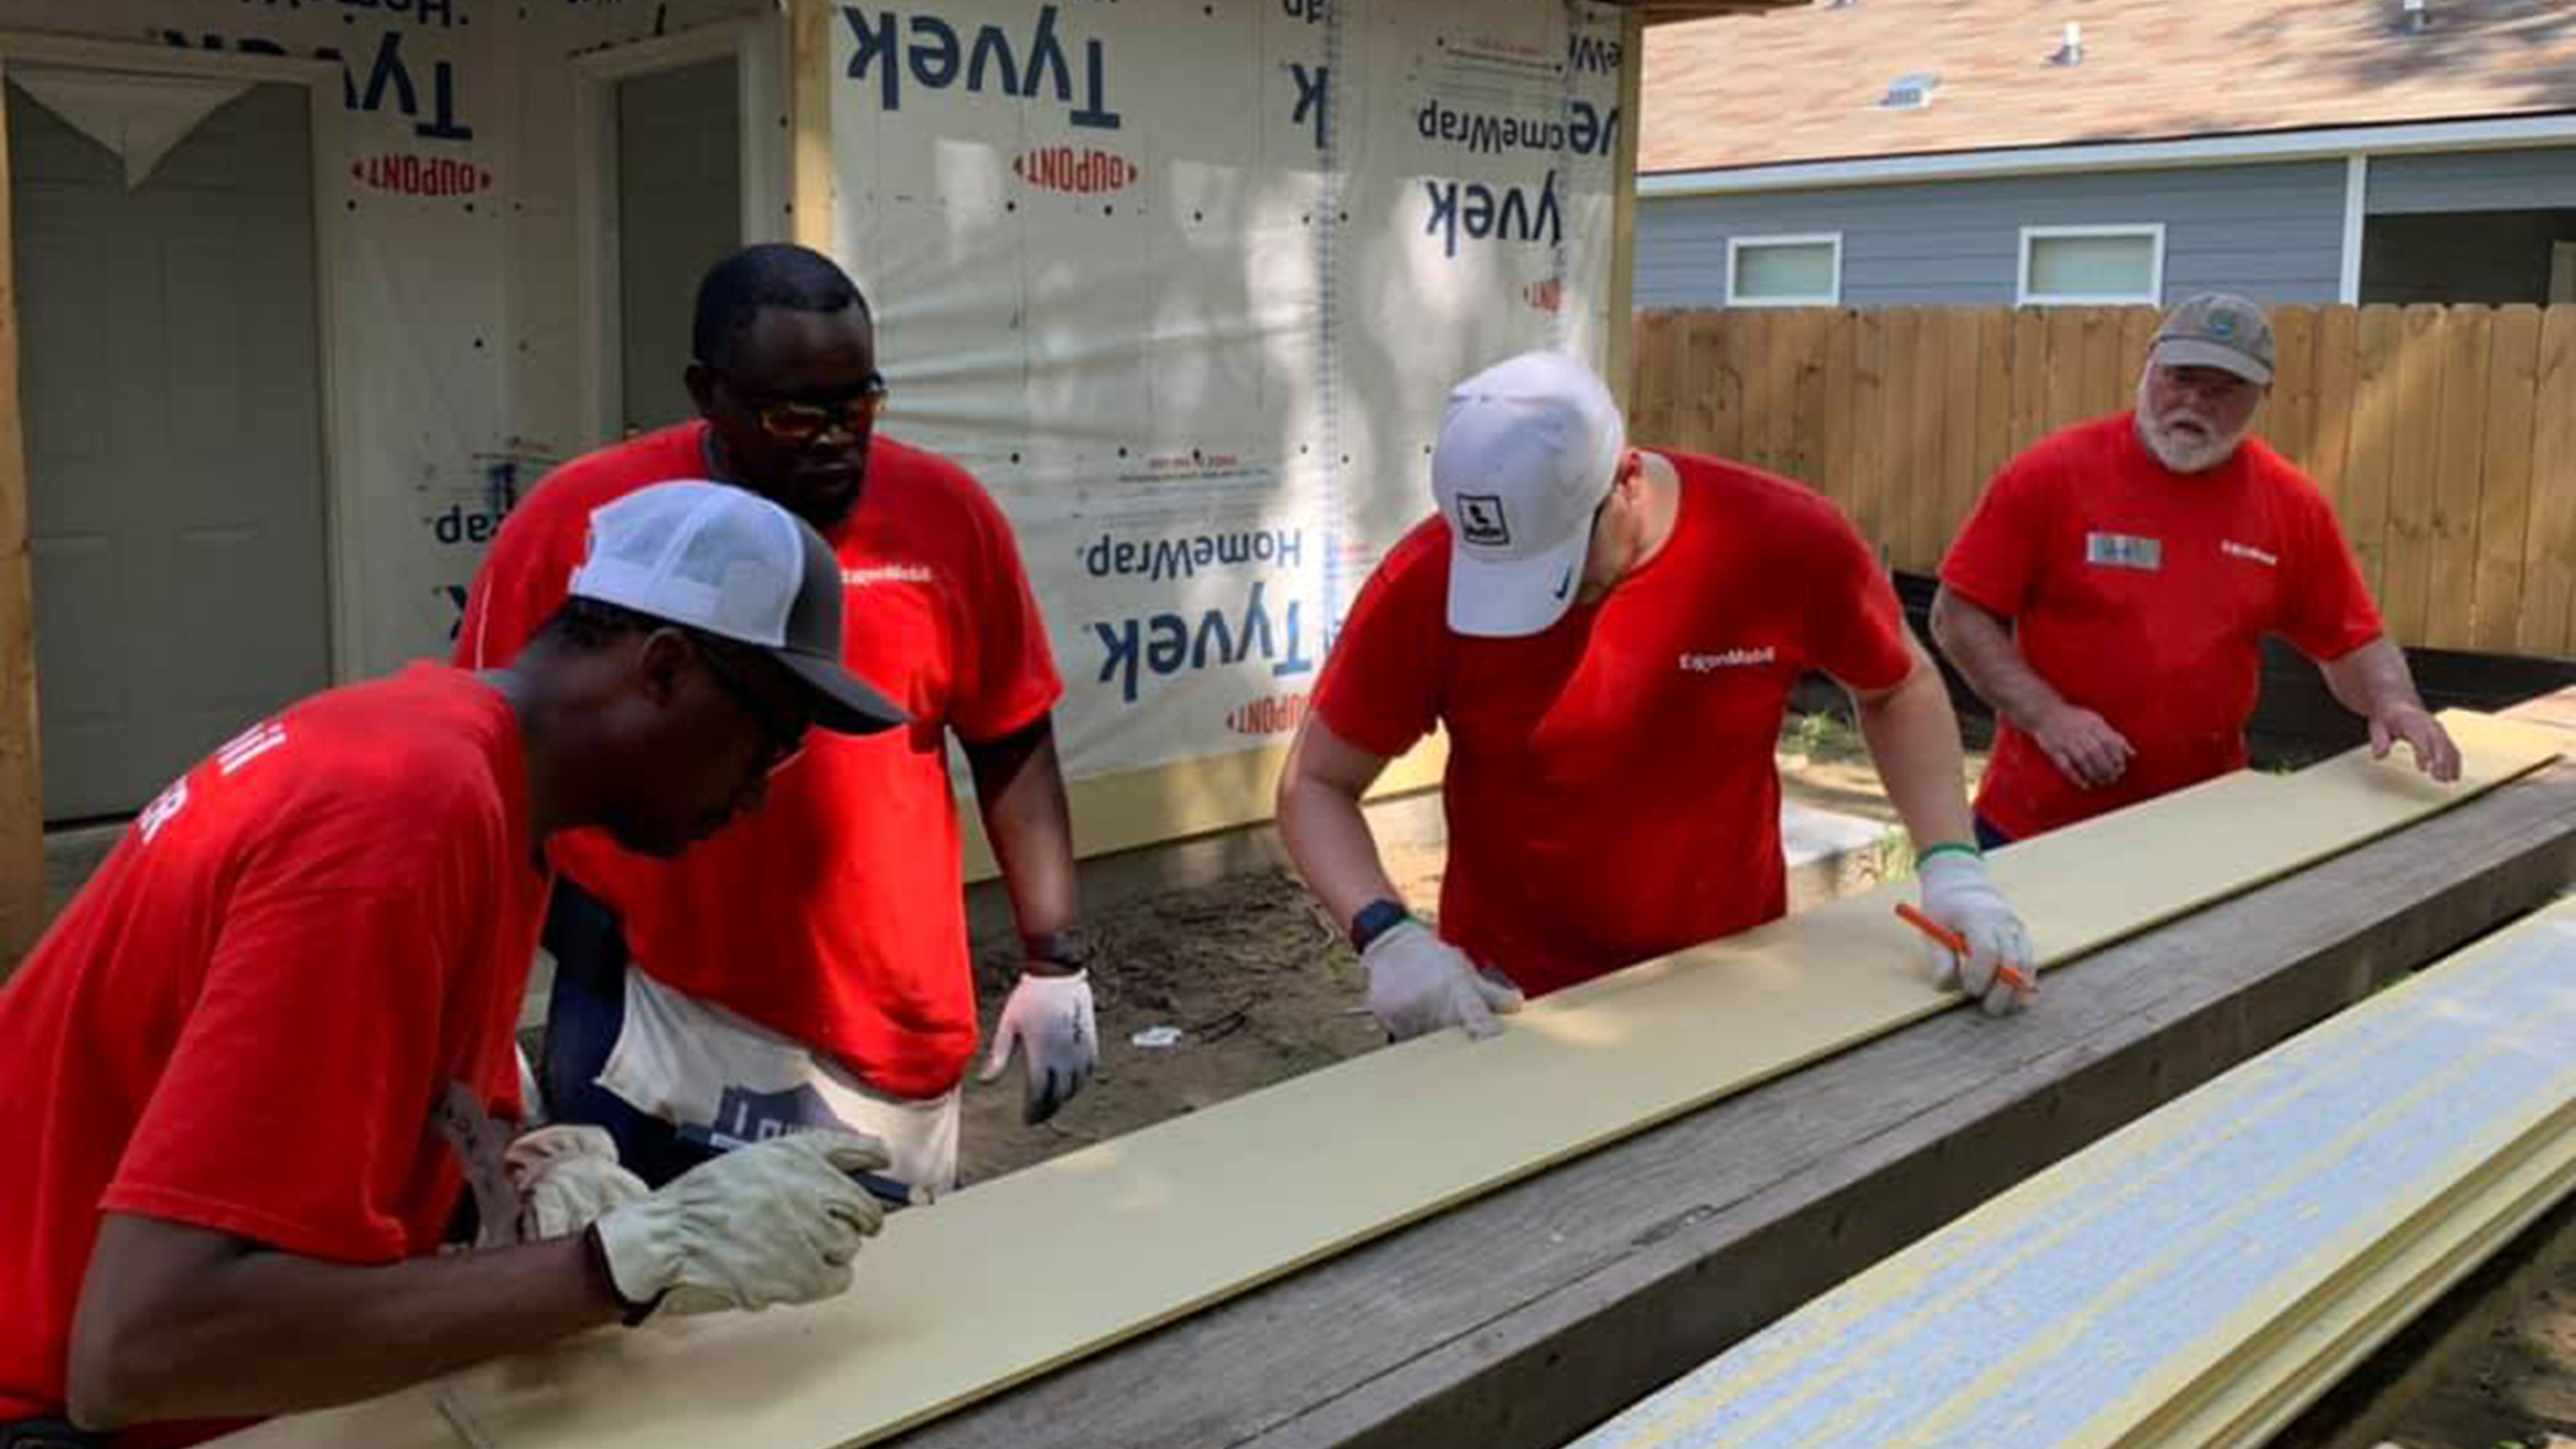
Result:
<point x="2153" y="296"/>
<point x="1832" y="298"/>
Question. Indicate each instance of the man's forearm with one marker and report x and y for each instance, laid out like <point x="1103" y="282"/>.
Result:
<point x="1328" y="838"/>
<point x="1983" y="649"/>
<point x="2372" y="678"/>
<point x="1914" y="740"/>
<point x="253" y="1332"/>
<point x="1019" y="790"/>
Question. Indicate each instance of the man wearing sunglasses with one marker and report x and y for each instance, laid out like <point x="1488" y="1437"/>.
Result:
<point x="1609" y="634"/>
<point x="810" y="968"/>
<point x="265" y="1056"/>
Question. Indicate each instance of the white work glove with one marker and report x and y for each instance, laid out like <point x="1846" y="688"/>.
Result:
<point x="1957" y="894"/>
<point x="775" y="1222"/>
<point x="1419" y="983"/>
<point x="1051" y="1016"/>
<point x="566" y="1177"/>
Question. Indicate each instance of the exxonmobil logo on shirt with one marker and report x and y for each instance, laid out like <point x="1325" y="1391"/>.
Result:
<point x="2233" y="549"/>
<point x="893" y="573"/>
<point x="1729" y="659"/>
<point x="1075" y="170"/>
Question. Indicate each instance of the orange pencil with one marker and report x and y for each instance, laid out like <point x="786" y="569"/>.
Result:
<point x="1957" y="943"/>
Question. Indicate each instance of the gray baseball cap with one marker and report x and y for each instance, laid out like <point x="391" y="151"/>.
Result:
<point x="2217" y="329"/>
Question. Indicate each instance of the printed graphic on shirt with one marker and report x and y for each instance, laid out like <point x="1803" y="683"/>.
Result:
<point x="893" y="573"/>
<point x="2233" y="549"/>
<point x="1729" y="659"/>
<point x="2124" y="551"/>
<point x="759" y="1116"/>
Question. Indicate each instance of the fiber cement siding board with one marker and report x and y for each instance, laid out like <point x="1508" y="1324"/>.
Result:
<point x="2473" y="181"/>
<point x="2275" y="232"/>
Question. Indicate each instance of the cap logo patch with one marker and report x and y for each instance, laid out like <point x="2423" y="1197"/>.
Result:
<point x="2222" y="326"/>
<point x="1481" y="522"/>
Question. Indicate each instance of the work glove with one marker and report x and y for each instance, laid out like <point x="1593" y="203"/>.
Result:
<point x="775" y="1222"/>
<point x="1419" y="983"/>
<point x="566" y="1178"/>
<point x="1051" y="1016"/>
<point x="1957" y="894"/>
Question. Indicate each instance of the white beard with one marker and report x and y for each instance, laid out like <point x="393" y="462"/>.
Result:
<point x="2185" y="452"/>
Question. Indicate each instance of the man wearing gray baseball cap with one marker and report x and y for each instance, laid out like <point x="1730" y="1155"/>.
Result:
<point x="1609" y="634"/>
<point x="2109" y="593"/>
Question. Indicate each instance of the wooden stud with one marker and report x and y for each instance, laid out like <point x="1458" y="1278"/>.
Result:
<point x="22" y="781"/>
<point x="1623" y="210"/>
<point x="812" y="193"/>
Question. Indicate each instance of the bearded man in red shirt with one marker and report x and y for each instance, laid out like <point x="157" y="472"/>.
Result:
<point x="2110" y="593"/>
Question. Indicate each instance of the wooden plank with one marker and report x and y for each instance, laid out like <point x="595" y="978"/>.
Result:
<point x="22" y="781"/>
<point x="2504" y="498"/>
<point x="1655" y="377"/>
<point x="2137" y="329"/>
<point x="1919" y="466"/>
<point x="2337" y="393"/>
<point x="1969" y="378"/>
<point x="2290" y="418"/>
<point x="1996" y="440"/>
<point x="1107" y="1243"/>
<point x="1810" y="332"/>
<point x="1717" y="372"/>
<point x="812" y="197"/>
<point x="2468" y="342"/>
<point x="2549" y="572"/>
<point x="1700" y="384"/>
<point x="1841" y="388"/>
<point x="1872" y="403"/>
<point x="2370" y="465"/>
<point x="2416" y="440"/>
<point x="2030" y="377"/>
<point x="2064" y="386"/>
<point x="2240" y="1247"/>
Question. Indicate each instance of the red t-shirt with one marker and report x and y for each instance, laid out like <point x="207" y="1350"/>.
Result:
<point x="836" y="914"/>
<point x="1611" y="794"/>
<point x="2143" y="594"/>
<point x="245" y="1020"/>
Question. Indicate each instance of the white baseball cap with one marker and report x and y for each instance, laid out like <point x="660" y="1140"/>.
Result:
<point x="725" y="561"/>
<point x="1526" y="454"/>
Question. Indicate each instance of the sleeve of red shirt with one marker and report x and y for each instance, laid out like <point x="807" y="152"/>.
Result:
<point x="2329" y="610"/>
<point x="1008" y="676"/>
<point x="1994" y="562"/>
<point x="524" y="579"/>
<point x="1859" y="626"/>
<point x="296" y="1107"/>
<point x="1380" y="687"/>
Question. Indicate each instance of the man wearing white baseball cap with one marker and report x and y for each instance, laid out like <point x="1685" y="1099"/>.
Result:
<point x="2110" y="592"/>
<point x="1609" y="635"/>
<point x="265" y="1055"/>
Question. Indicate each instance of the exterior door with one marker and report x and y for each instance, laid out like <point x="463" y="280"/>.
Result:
<point x="679" y="212"/>
<point x="174" y="441"/>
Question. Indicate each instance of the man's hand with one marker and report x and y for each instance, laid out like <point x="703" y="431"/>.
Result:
<point x="2083" y="746"/>
<point x="775" y="1222"/>
<point x="567" y="1177"/>
<point x="1957" y="894"/>
<point x="1052" y="1017"/>
<point x="2435" y="754"/>
<point x="1419" y="983"/>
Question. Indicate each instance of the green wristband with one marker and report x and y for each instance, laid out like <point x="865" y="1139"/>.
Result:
<point x="1947" y="847"/>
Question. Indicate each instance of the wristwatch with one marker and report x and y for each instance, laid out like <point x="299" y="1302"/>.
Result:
<point x="1069" y="948"/>
<point x="1376" y="919"/>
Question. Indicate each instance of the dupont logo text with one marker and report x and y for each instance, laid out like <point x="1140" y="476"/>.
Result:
<point x="1075" y="170"/>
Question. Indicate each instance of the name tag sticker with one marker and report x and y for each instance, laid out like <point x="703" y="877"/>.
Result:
<point x="2124" y="551"/>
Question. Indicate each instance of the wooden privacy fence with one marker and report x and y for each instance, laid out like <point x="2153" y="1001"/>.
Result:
<point x="2445" y="436"/>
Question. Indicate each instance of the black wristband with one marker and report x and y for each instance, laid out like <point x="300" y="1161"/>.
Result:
<point x="1376" y="919"/>
<point x="594" y="1250"/>
<point x="1069" y="948"/>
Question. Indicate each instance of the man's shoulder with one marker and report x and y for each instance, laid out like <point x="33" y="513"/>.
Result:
<point x="1781" y="509"/>
<point x="572" y="492"/>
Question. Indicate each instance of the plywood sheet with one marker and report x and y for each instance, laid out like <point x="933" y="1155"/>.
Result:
<point x="2199" y="1276"/>
<point x="1015" y="1276"/>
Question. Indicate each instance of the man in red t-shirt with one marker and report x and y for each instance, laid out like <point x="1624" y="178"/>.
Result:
<point x="1610" y="635"/>
<point x="811" y="967"/>
<point x="256" y="1059"/>
<point x="2110" y="593"/>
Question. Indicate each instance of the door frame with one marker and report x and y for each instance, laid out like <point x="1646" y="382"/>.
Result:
<point x="758" y="50"/>
<point x="326" y="122"/>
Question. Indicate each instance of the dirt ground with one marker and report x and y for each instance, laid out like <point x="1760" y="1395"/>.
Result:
<point x="1262" y="988"/>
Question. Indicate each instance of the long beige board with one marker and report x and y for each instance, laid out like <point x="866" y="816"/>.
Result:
<point x="1016" y="1276"/>
<point x="2200" y="1276"/>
